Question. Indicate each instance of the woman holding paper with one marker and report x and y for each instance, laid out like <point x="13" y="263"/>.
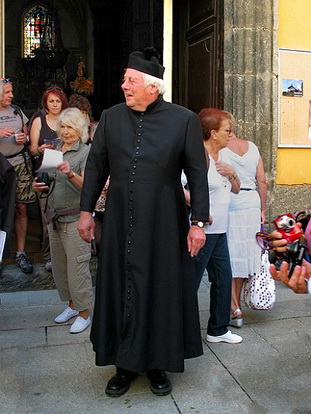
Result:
<point x="43" y="134"/>
<point x="69" y="253"/>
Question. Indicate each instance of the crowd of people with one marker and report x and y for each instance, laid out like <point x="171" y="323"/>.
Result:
<point x="185" y="196"/>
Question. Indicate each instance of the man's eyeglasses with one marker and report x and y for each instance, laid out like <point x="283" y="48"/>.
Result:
<point x="6" y="80"/>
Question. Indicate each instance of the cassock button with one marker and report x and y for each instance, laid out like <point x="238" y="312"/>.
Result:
<point x="135" y="159"/>
<point x="134" y="166"/>
<point x="138" y="141"/>
<point x="133" y="173"/>
<point x="131" y="225"/>
<point x="129" y="242"/>
<point x="139" y="126"/>
<point x="136" y="152"/>
<point x="139" y="134"/>
<point x="132" y="181"/>
<point x="131" y="208"/>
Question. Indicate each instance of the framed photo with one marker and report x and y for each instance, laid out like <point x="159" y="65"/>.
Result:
<point x="294" y="99"/>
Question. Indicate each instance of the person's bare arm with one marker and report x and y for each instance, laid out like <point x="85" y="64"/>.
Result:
<point x="262" y="188"/>
<point x="34" y="147"/>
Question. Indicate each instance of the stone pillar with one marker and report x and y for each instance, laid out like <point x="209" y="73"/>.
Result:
<point x="250" y="75"/>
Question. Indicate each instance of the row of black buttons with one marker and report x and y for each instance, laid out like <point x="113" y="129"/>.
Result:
<point x="131" y="216"/>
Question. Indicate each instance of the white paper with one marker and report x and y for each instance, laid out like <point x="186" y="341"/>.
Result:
<point x="51" y="158"/>
<point x="2" y="242"/>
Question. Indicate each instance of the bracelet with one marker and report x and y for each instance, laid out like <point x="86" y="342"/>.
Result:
<point x="72" y="175"/>
<point x="233" y="177"/>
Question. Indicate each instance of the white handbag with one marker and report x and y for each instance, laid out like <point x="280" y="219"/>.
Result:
<point x="259" y="290"/>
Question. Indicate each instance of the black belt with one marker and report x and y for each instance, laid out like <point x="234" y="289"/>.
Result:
<point x="246" y="189"/>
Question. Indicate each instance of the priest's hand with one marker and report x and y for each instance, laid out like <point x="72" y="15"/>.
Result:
<point x="195" y="240"/>
<point x="86" y="226"/>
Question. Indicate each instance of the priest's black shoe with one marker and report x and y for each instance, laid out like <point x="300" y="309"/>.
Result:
<point x="120" y="383"/>
<point x="159" y="383"/>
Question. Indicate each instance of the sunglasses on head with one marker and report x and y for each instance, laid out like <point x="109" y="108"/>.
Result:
<point x="6" y="80"/>
<point x="54" y="88"/>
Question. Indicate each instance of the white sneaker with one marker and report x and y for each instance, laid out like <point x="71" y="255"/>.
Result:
<point x="228" y="337"/>
<point x="48" y="266"/>
<point x="66" y="315"/>
<point x="80" y="324"/>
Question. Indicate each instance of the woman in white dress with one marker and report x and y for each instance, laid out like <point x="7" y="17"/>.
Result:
<point x="247" y="212"/>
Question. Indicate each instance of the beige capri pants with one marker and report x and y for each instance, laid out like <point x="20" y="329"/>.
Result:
<point x="70" y="257"/>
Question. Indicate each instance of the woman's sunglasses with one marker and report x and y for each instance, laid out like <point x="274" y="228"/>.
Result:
<point x="6" y="80"/>
<point x="264" y="240"/>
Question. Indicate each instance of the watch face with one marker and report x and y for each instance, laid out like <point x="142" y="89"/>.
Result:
<point x="198" y="223"/>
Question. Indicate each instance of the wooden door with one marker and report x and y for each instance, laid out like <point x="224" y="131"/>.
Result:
<point x="198" y="53"/>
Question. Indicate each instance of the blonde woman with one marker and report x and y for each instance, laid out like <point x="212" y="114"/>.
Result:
<point x="70" y="255"/>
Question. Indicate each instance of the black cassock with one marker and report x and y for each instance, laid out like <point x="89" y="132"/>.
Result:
<point x="146" y="309"/>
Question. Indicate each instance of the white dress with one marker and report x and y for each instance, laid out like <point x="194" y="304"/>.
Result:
<point x="245" y="215"/>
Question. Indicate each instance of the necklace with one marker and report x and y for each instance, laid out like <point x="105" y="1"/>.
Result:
<point x="224" y="181"/>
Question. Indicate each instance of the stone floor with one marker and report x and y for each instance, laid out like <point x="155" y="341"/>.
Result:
<point x="13" y="279"/>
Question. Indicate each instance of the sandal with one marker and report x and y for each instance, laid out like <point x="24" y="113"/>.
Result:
<point x="236" y="321"/>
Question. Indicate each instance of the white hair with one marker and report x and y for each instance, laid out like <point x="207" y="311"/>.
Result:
<point x="152" y="80"/>
<point x="74" y="118"/>
<point x="1" y="88"/>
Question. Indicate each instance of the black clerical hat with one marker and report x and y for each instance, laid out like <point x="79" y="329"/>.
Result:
<point x="146" y="61"/>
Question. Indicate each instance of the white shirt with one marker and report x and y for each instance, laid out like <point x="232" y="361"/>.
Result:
<point x="219" y="191"/>
<point x="246" y="169"/>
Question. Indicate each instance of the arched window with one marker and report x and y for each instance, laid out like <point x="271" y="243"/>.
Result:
<point x="33" y="25"/>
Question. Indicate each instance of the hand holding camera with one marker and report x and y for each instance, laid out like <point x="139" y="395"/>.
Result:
<point x="290" y="248"/>
<point x="41" y="183"/>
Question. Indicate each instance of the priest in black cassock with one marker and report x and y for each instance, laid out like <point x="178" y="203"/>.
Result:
<point x="146" y="315"/>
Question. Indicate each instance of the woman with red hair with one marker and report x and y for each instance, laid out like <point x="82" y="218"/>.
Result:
<point x="214" y="255"/>
<point x="42" y="130"/>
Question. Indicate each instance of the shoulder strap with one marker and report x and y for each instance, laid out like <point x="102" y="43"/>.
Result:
<point x="18" y="111"/>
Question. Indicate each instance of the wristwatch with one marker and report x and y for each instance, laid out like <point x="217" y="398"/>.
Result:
<point x="197" y="223"/>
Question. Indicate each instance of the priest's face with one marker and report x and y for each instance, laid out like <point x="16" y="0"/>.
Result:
<point x="137" y="95"/>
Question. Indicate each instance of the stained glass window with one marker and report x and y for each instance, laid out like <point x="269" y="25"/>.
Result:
<point x="34" y="22"/>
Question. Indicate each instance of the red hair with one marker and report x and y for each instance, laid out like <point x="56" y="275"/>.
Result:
<point x="211" y="119"/>
<point x="57" y="91"/>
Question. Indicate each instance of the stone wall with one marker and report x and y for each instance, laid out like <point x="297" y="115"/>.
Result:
<point x="251" y="89"/>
